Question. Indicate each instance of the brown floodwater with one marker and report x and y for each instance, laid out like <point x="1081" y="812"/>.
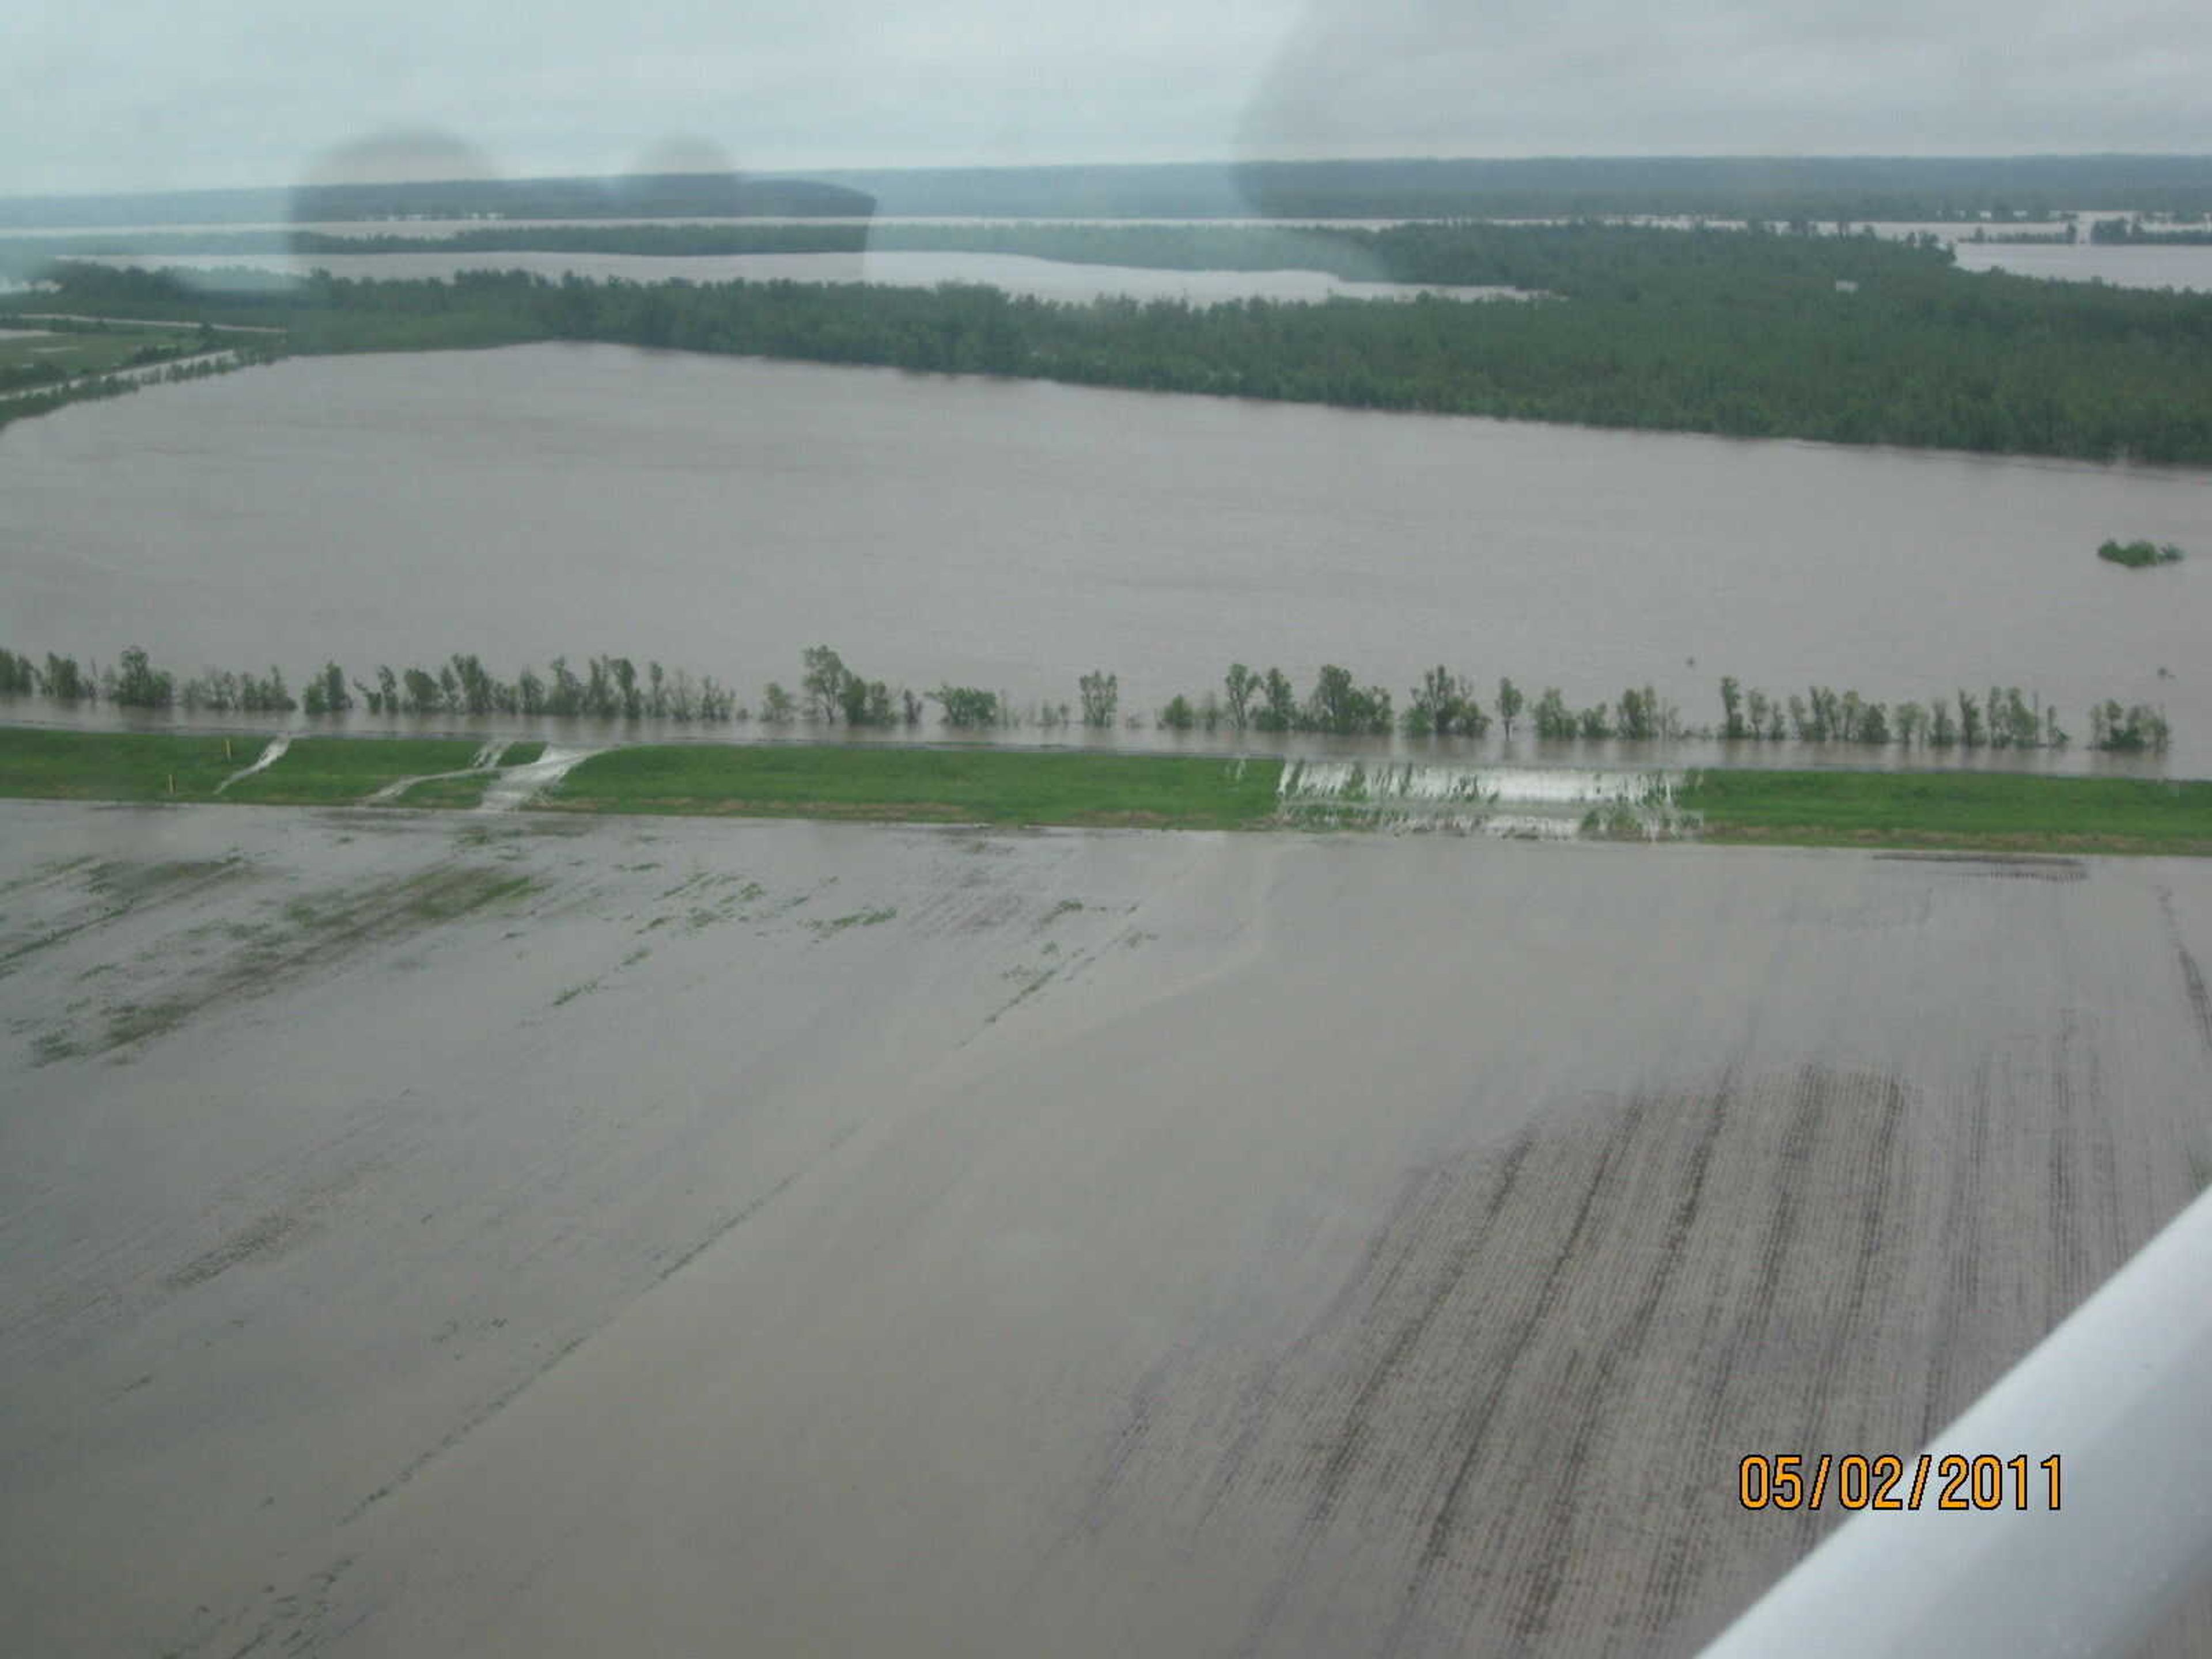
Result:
<point x="539" y="1236"/>
<point x="721" y="514"/>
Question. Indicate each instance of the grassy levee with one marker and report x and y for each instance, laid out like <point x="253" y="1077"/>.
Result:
<point x="969" y="786"/>
<point x="1996" y="811"/>
<point x="332" y="771"/>
<point x="117" y="765"/>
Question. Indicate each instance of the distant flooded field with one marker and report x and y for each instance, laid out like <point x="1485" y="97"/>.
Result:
<point x="2084" y="261"/>
<point x="721" y="514"/>
<point x="615" y="1237"/>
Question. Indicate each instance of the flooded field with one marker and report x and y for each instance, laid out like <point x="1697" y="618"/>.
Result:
<point x="722" y="513"/>
<point x="671" y="1236"/>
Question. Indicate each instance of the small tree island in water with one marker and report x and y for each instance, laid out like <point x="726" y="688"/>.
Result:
<point x="2136" y="555"/>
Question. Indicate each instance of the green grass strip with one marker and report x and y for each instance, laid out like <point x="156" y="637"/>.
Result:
<point x="117" y="765"/>
<point x="989" y="786"/>
<point x="1975" y="812"/>
<point x="1963" y="810"/>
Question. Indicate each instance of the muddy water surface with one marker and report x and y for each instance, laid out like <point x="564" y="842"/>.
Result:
<point x="777" y="1238"/>
<point x="720" y="514"/>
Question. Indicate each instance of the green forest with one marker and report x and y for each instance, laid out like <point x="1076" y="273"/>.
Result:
<point x="1843" y="339"/>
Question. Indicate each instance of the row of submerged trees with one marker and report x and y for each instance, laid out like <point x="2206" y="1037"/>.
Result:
<point x="1444" y="704"/>
<point x="2004" y="719"/>
<point x="20" y="404"/>
<point x="612" y="687"/>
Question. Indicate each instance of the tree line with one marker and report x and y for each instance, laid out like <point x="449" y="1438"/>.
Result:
<point x="2002" y="719"/>
<point x="2134" y="233"/>
<point x="1848" y="339"/>
<point x="21" y="405"/>
<point x="610" y="688"/>
<point x="1775" y="187"/>
<point x="1444" y="704"/>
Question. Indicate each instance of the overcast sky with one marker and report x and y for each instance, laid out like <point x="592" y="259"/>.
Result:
<point x="130" y="94"/>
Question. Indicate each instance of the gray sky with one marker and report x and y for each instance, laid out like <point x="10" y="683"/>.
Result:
<point x="128" y="95"/>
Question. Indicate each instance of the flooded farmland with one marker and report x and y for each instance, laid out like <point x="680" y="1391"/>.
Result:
<point x="565" y="1237"/>
<point x="721" y="514"/>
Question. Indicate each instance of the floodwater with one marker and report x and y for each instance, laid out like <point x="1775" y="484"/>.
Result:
<point x="557" y="1236"/>
<point x="2123" y="267"/>
<point x="721" y="513"/>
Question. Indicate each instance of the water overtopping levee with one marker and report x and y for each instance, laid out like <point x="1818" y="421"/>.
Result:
<point x="1525" y="803"/>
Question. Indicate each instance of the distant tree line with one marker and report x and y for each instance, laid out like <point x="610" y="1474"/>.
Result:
<point x="2066" y="238"/>
<point x="611" y="688"/>
<point x="1734" y="187"/>
<point x="15" y="377"/>
<point x="2002" y="719"/>
<point x="1444" y="704"/>
<point x="23" y="404"/>
<point x="2133" y="232"/>
<point x="1846" y="339"/>
<point x="1773" y="186"/>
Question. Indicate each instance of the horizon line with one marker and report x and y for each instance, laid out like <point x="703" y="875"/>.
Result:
<point x="829" y="173"/>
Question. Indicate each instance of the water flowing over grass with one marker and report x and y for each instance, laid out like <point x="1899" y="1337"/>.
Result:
<point x="1527" y="802"/>
<point x="316" y="771"/>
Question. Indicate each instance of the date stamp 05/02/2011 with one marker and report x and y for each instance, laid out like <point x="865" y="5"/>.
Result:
<point x="1952" y="1481"/>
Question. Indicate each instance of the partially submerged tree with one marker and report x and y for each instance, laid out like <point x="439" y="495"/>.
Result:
<point x="1732" y="723"/>
<point x="1278" y="706"/>
<point x="1510" y="704"/>
<point x="1443" y="705"/>
<point x="1339" y="705"/>
<point x="1101" y="692"/>
<point x="968" y="706"/>
<point x="1242" y="685"/>
<point x="139" y="684"/>
<point x="823" y="683"/>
